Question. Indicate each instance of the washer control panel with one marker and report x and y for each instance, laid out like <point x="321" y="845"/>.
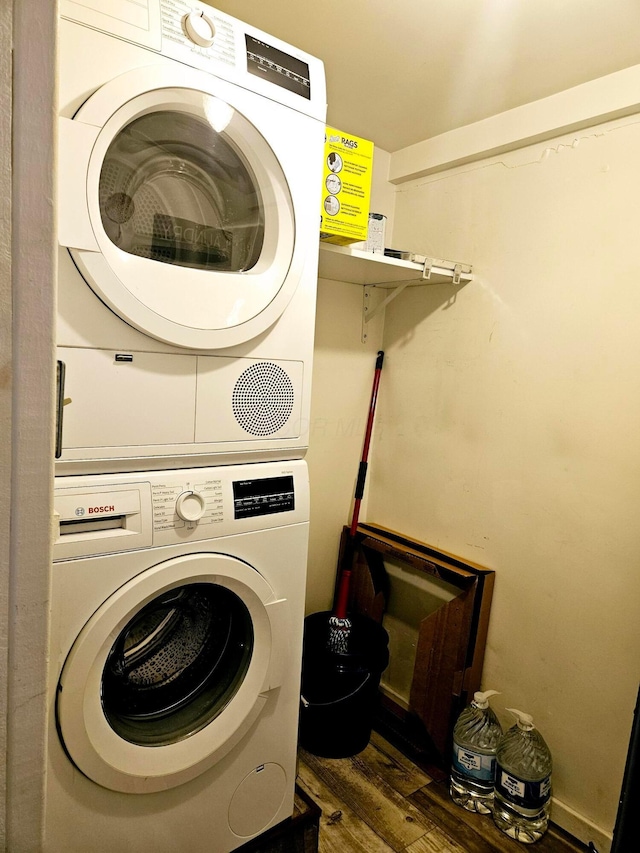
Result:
<point x="197" y="500"/>
<point x="109" y="513"/>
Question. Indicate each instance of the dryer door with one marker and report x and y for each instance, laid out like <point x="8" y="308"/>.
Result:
<point x="176" y="207"/>
<point x="170" y="672"/>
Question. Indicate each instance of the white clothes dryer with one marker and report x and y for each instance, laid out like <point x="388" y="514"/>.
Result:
<point x="189" y="166"/>
<point x="176" y="641"/>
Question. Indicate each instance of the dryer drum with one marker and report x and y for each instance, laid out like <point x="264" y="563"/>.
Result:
<point x="174" y="190"/>
<point x="177" y="664"/>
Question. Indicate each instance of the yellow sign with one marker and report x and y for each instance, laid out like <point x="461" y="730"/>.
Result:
<point x="346" y="188"/>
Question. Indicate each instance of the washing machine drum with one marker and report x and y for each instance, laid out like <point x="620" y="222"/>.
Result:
<point x="171" y="672"/>
<point x="177" y="664"/>
<point x="176" y="208"/>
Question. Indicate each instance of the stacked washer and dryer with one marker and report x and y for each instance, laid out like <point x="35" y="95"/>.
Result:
<point x="189" y="167"/>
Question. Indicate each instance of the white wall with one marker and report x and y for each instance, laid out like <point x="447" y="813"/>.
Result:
<point x="509" y="433"/>
<point x="342" y="378"/>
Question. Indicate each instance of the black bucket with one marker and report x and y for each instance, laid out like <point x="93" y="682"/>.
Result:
<point x="340" y="691"/>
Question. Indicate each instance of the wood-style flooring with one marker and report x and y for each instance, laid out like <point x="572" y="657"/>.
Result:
<point x="380" y="802"/>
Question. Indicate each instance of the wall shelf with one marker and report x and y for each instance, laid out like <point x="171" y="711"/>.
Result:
<point x="342" y="263"/>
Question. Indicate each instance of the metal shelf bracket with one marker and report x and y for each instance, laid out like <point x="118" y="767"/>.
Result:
<point x="433" y="271"/>
<point x="369" y="311"/>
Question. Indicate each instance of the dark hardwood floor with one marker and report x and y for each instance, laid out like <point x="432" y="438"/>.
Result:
<point x="380" y="802"/>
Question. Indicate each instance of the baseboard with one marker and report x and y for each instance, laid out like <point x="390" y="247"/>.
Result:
<point x="578" y="826"/>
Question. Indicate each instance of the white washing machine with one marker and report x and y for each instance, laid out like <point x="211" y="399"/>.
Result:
<point x="176" y="636"/>
<point x="189" y="170"/>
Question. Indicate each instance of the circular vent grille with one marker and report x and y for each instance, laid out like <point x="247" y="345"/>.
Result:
<point x="263" y="399"/>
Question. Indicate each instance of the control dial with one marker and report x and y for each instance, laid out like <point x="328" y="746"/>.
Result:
<point x="190" y="506"/>
<point x="200" y="28"/>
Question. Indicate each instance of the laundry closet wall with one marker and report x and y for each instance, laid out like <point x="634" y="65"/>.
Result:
<point x="509" y="433"/>
<point x="342" y="378"/>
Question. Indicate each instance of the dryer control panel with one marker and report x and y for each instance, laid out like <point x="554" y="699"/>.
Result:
<point x="203" y="37"/>
<point x="109" y="513"/>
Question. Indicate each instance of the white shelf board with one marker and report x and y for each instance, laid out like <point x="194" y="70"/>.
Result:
<point x="342" y="263"/>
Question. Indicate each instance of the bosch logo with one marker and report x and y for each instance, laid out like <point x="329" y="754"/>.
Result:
<point x="80" y="511"/>
<point x="98" y="510"/>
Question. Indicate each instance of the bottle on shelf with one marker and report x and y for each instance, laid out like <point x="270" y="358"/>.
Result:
<point x="523" y="781"/>
<point x="475" y="740"/>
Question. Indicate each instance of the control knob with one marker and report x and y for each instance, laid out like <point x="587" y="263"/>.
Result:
<point x="190" y="506"/>
<point x="200" y="28"/>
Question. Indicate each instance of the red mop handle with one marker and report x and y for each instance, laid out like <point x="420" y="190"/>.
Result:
<point x="345" y="577"/>
<point x="340" y="611"/>
<point x="362" y="471"/>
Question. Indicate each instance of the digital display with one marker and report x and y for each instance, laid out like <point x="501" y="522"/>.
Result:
<point x="278" y="67"/>
<point x="263" y="497"/>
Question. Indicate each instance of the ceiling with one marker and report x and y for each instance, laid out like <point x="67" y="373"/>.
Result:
<point x="400" y="71"/>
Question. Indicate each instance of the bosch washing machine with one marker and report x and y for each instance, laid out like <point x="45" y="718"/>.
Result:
<point x="189" y="168"/>
<point x="177" y="614"/>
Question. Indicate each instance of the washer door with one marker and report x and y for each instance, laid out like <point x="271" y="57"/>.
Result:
<point x="170" y="672"/>
<point x="175" y="206"/>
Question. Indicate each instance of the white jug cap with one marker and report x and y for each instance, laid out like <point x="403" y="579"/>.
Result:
<point x="525" y="721"/>
<point x="481" y="700"/>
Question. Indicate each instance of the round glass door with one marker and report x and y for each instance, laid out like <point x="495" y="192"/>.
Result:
<point x="190" y="208"/>
<point x="177" y="664"/>
<point x="170" y="672"/>
<point x="175" y="190"/>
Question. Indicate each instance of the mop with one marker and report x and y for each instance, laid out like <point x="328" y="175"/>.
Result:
<point x="339" y="622"/>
